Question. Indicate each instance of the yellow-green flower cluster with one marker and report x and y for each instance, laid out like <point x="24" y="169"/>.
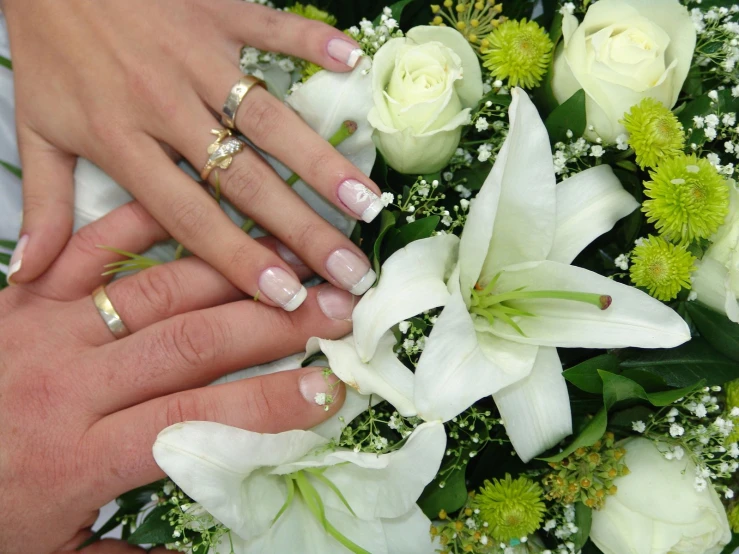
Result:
<point x="519" y="51"/>
<point x="475" y="20"/>
<point x="688" y="199"/>
<point x="655" y="133"/>
<point x="309" y="11"/>
<point x="661" y="267"/>
<point x="733" y="515"/>
<point x="587" y="475"/>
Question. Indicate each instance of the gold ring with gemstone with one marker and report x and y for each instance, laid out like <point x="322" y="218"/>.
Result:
<point x="221" y="152"/>
<point x="109" y="314"/>
<point x="236" y="97"/>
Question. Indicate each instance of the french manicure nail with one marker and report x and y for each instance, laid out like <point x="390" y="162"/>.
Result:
<point x="344" y="51"/>
<point x="336" y="303"/>
<point x="282" y="288"/>
<point x="360" y="200"/>
<point x="16" y="259"/>
<point x="288" y="255"/>
<point x="319" y="389"/>
<point x="351" y="271"/>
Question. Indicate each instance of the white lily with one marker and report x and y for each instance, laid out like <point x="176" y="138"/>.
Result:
<point x="513" y="296"/>
<point x="280" y="492"/>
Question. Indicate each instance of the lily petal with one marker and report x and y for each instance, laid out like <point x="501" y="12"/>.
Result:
<point x="389" y="485"/>
<point x="536" y="409"/>
<point x="214" y="465"/>
<point x="526" y="218"/>
<point x="384" y="375"/>
<point x="413" y="280"/>
<point x="409" y="534"/>
<point x="453" y="371"/>
<point x="588" y="205"/>
<point x="633" y="319"/>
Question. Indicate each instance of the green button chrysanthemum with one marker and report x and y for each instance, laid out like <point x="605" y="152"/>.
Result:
<point x="519" y="51"/>
<point x="662" y="268"/>
<point x="309" y="11"/>
<point x="689" y="200"/>
<point x="511" y="508"/>
<point x="654" y="132"/>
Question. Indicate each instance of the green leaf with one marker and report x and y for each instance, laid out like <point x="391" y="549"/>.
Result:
<point x="5" y="62"/>
<point x="474" y="176"/>
<point x="13" y="169"/>
<point x="133" y="500"/>
<point x="583" y="521"/>
<point x="155" y="529"/>
<point x="9" y="244"/>
<point x="450" y="498"/>
<point x="387" y="222"/>
<point x="568" y="116"/>
<point x="585" y="375"/>
<point x="617" y="388"/>
<point x="684" y="365"/>
<point x="732" y="546"/>
<point x="419" y="229"/>
<point x="587" y="437"/>
<point x="112" y="523"/>
<point x="397" y="9"/>
<point x="718" y="330"/>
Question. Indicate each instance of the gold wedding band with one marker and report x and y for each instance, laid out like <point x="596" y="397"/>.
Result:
<point x="236" y="97"/>
<point x="109" y="314"/>
<point x="222" y="151"/>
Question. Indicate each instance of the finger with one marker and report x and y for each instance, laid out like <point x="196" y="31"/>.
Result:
<point x="196" y="348"/>
<point x="267" y="122"/>
<point x="48" y="206"/>
<point x="258" y="191"/>
<point x="275" y="31"/>
<point x="107" y="546"/>
<point x="267" y="404"/>
<point x="81" y="265"/>
<point x="195" y="220"/>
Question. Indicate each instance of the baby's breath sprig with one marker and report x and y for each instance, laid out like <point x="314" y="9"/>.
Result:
<point x="425" y="199"/>
<point x="698" y="427"/>
<point x="371" y="37"/>
<point x="717" y="43"/>
<point x="379" y="429"/>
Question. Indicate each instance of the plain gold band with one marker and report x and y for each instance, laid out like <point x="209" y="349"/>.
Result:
<point x="109" y="314"/>
<point x="236" y="97"/>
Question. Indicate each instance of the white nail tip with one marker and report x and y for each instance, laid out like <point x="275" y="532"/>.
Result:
<point x="354" y="57"/>
<point x="364" y="284"/>
<point x="296" y="301"/>
<point x="372" y="211"/>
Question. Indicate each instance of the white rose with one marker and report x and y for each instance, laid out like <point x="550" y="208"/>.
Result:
<point x="657" y="509"/>
<point x="716" y="282"/>
<point x="622" y="52"/>
<point x="424" y="86"/>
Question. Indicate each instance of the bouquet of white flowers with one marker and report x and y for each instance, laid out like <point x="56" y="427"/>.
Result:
<point x="547" y="360"/>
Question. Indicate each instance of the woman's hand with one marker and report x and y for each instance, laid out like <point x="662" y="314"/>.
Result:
<point x="113" y="81"/>
<point x="80" y="410"/>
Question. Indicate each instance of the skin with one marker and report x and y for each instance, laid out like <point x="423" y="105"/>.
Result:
<point x="80" y="410"/>
<point x="119" y="81"/>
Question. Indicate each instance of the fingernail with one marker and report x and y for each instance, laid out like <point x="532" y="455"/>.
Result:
<point x="351" y="271"/>
<point x="344" y="52"/>
<point x="336" y="303"/>
<point x="288" y="255"/>
<point x="282" y="288"/>
<point x="360" y="200"/>
<point x="319" y="388"/>
<point x="16" y="259"/>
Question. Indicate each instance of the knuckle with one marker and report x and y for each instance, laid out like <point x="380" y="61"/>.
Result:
<point x="190" y="217"/>
<point x="160" y="289"/>
<point x="244" y="184"/>
<point x="194" y="341"/>
<point x="261" y="408"/>
<point x="186" y="406"/>
<point x="273" y="23"/>
<point x="88" y="240"/>
<point x="306" y="236"/>
<point x="262" y="119"/>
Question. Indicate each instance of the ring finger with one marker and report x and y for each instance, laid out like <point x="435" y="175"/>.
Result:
<point x="258" y="191"/>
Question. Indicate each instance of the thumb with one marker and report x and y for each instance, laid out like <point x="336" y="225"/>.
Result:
<point x="48" y="207"/>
